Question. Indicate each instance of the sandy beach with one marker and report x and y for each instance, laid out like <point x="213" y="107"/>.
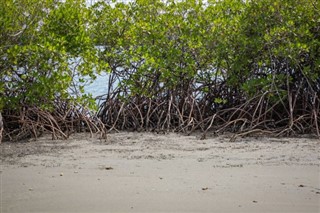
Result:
<point x="147" y="172"/>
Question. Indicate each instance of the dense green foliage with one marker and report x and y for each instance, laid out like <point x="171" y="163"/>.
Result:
<point x="45" y="49"/>
<point x="253" y="65"/>
<point x="183" y="65"/>
<point x="40" y="41"/>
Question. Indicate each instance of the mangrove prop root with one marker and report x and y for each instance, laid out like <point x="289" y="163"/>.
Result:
<point x="62" y="121"/>
<point x="183" y="112"/>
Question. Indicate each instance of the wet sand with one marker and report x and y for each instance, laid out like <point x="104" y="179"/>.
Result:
<point x="146" y="172"/>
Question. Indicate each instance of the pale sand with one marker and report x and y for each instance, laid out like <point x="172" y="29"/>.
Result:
<point x="146" y="172"/>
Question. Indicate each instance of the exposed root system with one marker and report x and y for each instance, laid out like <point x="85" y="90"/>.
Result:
<point x="296" y="113"/>
<point x="60" y="122"/>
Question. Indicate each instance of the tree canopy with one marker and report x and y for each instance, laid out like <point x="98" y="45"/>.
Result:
<point x="45" y="46"/>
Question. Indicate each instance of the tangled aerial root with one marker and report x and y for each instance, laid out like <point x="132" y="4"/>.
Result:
<point x="64" y="120"/>
<point x="259" y="115"/>
<point x="185" y="112"/>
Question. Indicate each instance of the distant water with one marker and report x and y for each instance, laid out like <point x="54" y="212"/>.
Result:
<point x="98" y="87"/>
